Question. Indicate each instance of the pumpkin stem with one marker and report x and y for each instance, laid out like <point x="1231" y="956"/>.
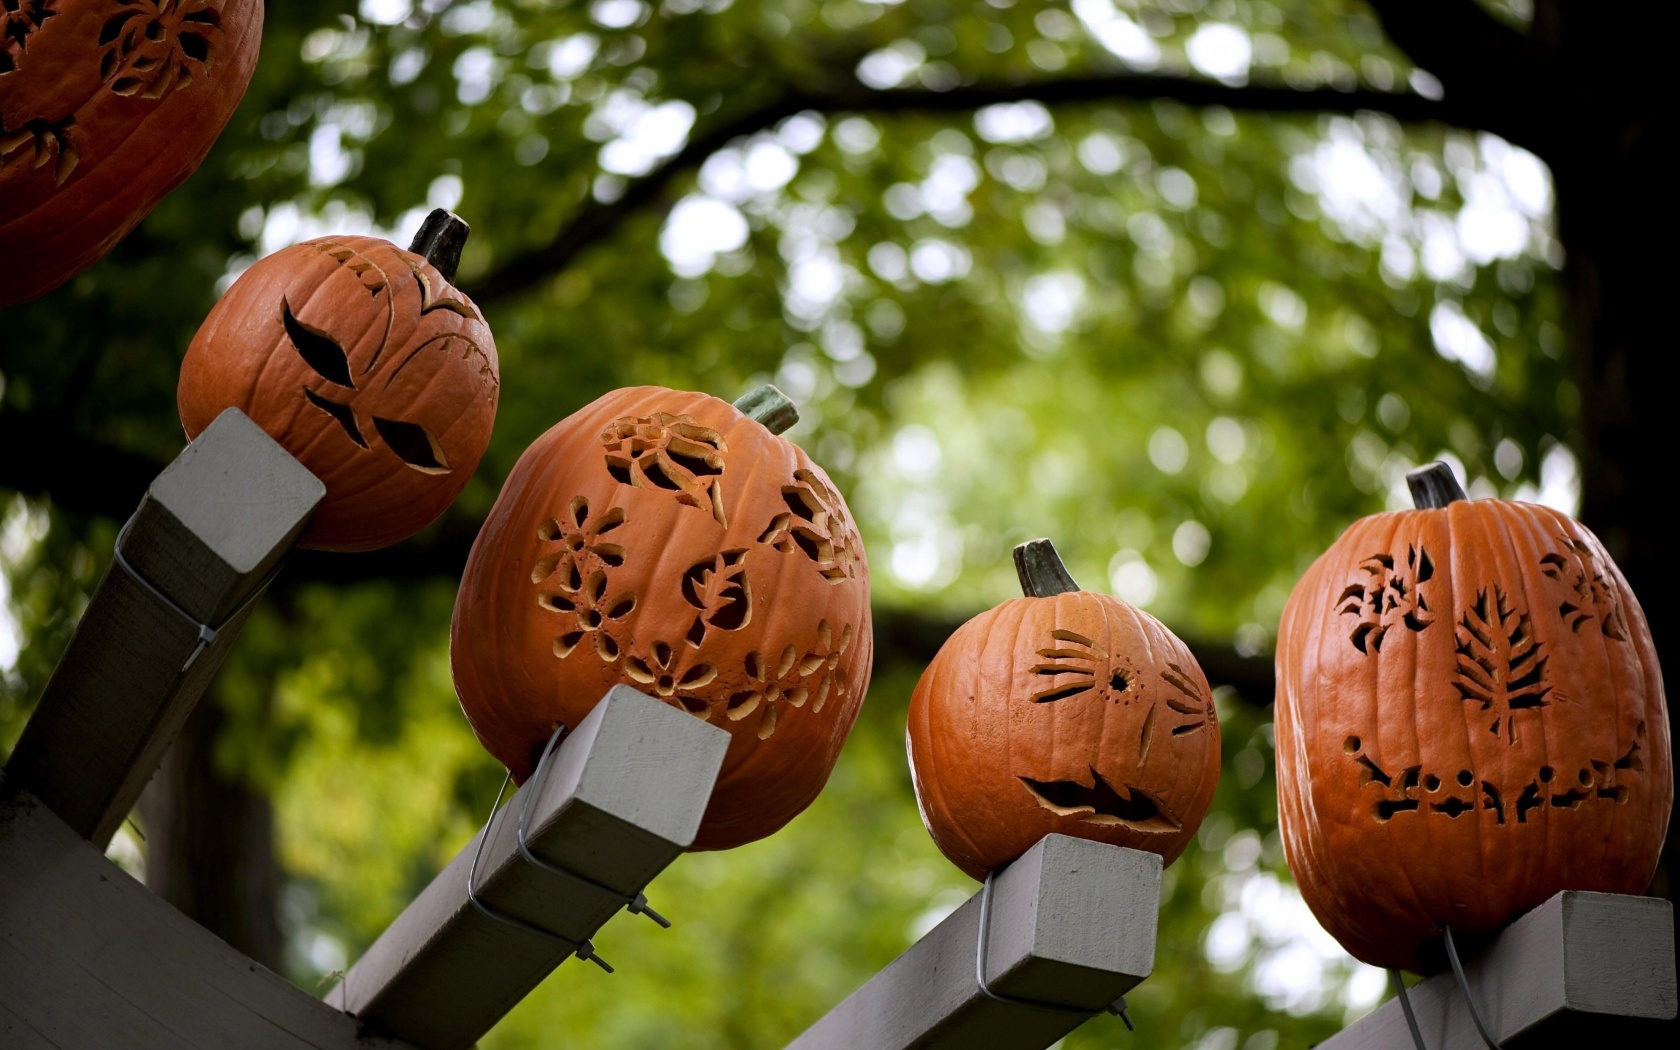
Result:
<point x="1434" y="486"/>
<point x="1041" y="570"/>
<point x="769" y="406"/>
<point x="440" y="239"/>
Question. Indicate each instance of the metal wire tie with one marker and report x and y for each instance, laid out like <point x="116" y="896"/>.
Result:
<point x="207" y="635"/>
<point x="584" y="949"/>
<point x="636" y="904"/>
<point x="1463" y="987"/>
<point x="1117" y="1007"/>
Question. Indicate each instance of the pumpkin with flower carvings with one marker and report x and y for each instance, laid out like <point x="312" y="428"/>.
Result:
<point x="106" y="106"/>
<point x="675" y="543"/>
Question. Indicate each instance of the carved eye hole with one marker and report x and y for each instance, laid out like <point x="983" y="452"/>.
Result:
<point x="346" y="418"/>
<point x="414" y="445"/>
<point x="318" y="349"/>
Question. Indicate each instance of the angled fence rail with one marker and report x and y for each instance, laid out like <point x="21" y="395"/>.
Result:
<point x="204" y="542"/>
<point x="1583" y="969"/>
<point x="622" y="800"/>
<point x="90" y="959"/>
<point x="1072" y="929"/>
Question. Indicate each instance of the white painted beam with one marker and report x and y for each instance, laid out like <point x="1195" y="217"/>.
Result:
<point x="1072" y="924"/>
<point x="91" y="959"/>
<point x="208" y="535"/>
<point x="1586" y="969"/>
<point x="623" y="800"/>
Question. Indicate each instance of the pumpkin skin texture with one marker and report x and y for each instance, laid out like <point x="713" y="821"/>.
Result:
<point x="1073" y="713"/>
<point x="1470" y="718"/>
<point x="106" y="106"/>
<point x="665" y="541"/>
<point x="365" y="363"/>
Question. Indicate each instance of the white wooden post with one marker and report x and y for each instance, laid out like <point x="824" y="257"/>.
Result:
<point x="1072" y="924"/>
<point x="204" y="541"/>
<point x="623" y="800"/>
<point x="1583" y="969"/>
<point x="92" y="960"/>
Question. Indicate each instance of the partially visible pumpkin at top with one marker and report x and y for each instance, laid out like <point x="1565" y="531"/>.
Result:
<point x="1062" y="711"/>
<point x="106" y="106"/>
<point x="1470" y="719"/>
<point x="364" y="362"/>
<point x="672" y="542"/>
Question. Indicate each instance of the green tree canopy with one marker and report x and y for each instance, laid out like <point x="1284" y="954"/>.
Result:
<point x="1186" y="285"/>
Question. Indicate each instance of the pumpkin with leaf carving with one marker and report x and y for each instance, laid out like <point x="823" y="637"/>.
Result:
<point x="1470" y="719"/>
<point x="672" y="542"/>
<point x="106" y="106"/>
<point x="367" y="364"/>
<point x="1065" y="712"/>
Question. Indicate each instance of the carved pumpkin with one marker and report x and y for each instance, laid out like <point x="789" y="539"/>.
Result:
<point x="670" y="542"/>
<point x="105" y="106"/>
<point x="1470" y="718"/>
<point x="1063" y="711"/>
<point x="367" y="364"/>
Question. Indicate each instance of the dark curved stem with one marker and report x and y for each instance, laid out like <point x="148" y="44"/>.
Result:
<point x="440" y="239"/>
<point x="1434" y="486"/>
<point x="769" y="406"/>
<point x="1041" y="570"/>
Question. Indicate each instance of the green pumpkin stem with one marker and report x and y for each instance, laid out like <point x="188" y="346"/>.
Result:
<point x="1434" y="486"/>
<point x="1041" y="570"/>
<point x="769" y="406"/>
<point x="440" y="239"/>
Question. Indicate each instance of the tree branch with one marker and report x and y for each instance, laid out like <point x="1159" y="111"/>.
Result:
<point x="597" y="220"/>
<point x="91" y="479"/>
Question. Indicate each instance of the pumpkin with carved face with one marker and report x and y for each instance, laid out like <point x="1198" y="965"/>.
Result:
<point x="674" y="543"/>
<point x="364" y="362"/>
<point x="1470" y="719"/>
<point x="1063" y="711"/>
<point x="106" y="106"/>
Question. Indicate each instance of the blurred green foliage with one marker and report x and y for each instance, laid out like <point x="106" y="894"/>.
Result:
<point x="1189" y="344"/>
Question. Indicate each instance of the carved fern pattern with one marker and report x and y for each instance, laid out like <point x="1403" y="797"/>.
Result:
<point x="1501" y="665"/>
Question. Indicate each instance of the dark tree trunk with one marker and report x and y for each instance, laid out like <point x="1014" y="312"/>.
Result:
<point x="210" y="842"/>
<point x="1613" y="196"/>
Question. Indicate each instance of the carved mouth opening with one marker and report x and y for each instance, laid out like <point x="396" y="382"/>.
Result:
<point x="1103" y="803"/>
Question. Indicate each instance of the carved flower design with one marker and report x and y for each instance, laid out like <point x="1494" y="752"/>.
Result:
<point x="34" y="144"/>
<point x="19" y="19"/>
<point x="656" y="670"/>
<point x="576" y="577"/>
<point x="671" y="452"/>
<point x="1389" y="597"/>
<point x="1589" y="595"/>
<point x="151" y="48"/>
<point x="792" y="679"/>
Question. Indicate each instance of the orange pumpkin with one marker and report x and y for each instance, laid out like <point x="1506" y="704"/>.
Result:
<point x="367" y="364"/>
<point x="670" y="542"/>
<point x="105" y="106"/>
<point x="1063" y="711"/>
<point x="1470" y="718"/>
